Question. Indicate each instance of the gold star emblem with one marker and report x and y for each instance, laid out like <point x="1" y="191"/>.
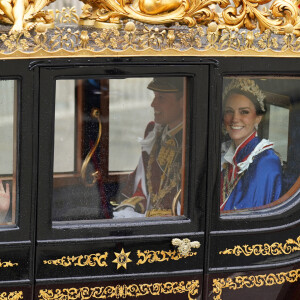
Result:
<point x="122" y="259"/>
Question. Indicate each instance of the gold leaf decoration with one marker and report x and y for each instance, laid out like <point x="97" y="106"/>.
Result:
<point x="16" y="295"/>
<point x="251" y="281"/>
<point x="122" y="291"/>
<point x="276" y="248"/>
<point x="250" y="14"/>
<point x="7" y="264"/>
<point x="140" y="39"/>
<point x="92" y="260"/>
<point x="67" y="15"/>
<point x="150" y="256"/>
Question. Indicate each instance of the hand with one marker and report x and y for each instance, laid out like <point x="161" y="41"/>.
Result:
<point x="4" y="201"/>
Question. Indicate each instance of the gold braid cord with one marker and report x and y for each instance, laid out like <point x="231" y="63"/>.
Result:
<point x="123" y="291"/>
<point x="240" y="282"/>
<point x="276" y="248"/>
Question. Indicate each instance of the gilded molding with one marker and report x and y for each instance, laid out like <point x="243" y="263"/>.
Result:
<point x="16" y="295"/>
<point x="68" y="38"/>
<point x="151" y="256"/>
<point x="92" y="260"/>
<point x="276" y="248"/>
<point x="240" y="282"/>
<point x="122" y="291"/>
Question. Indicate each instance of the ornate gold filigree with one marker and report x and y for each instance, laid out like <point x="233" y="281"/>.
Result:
<point x="139" y="39"/>
<point x="91" y="260"/>
<point x="16" y="295"/>
<point x="244" y="13"/>
<point x="265" y="249"/>
<point x="7" y="264"/>
<point x="151" y="256"/>
<point x="67" y="15"/>
<point x="123" y="291"/>
<point x="185" y="246"/>
<point x="251" y="281"/>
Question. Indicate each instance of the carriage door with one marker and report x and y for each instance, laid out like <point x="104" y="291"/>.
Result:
<point x="16" y="159"/>
<point x="120" y="197"/>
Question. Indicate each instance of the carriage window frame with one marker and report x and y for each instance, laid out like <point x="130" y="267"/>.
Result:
<point x="13" y="178"/>
<point x="191" y="221"/>
<point x="290" y="198"/>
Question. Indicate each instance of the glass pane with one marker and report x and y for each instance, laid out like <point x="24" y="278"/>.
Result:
<point x="259" y="160"/>
<point x="64" y="126"/>
<point x="118" y="148"/>
<point x="8" y="100"/>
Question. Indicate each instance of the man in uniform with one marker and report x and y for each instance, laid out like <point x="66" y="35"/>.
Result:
<point x="154" y="187"/>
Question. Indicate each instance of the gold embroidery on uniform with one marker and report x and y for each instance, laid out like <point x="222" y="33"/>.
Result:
<point x="170" y="177"/>
<point x="276" y="248"/>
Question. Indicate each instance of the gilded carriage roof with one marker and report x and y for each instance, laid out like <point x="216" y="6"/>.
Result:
<point x="151" y="27"/>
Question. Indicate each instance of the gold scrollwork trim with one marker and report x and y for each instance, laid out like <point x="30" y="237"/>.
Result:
<point x="139" y="39"/>
<point x="16" y="295"/>
<point x="92" y="260"/>
<point x="7" y="264"/>
<point x="265" y="249"/>
<point x="240" y="282"/>
<point x="122" y="291"/>
<point x="151" y="256"/>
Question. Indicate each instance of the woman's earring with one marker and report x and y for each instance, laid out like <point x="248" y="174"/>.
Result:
<point x="256" y="126"/>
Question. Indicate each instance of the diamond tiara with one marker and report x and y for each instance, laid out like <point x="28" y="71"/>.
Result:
<point x="246" y="85"/>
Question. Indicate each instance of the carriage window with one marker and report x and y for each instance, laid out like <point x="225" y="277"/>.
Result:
<point x="8" y="99"/>
<point x="259" y="160"/>
<point x="118" y="148"/>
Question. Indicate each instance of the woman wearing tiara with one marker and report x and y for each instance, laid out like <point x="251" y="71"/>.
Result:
<point x="251" y="171"/>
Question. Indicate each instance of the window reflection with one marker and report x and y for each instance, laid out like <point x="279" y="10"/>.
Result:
<point x="258" y="160"/>
<point x="8" y="91"/>
<point x="120" y="153"/>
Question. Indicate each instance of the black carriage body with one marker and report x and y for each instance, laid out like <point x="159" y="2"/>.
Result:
<point x="240" y="256"/>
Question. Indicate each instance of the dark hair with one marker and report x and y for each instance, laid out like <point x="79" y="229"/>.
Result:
<point x="259" y="111"/>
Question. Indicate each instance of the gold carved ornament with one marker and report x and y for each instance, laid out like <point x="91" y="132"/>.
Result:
<point x="251" y="281"/>
<point x="185" y="246"/>
<point x="24" y="14"/>
<point x="122" y="291"/>
<point x="95" y="175"/>
<point x="244" y="13"/>
<point x="16" y="295"/>
<point x="91" y="260"/>
<point x="265" y="249"/>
